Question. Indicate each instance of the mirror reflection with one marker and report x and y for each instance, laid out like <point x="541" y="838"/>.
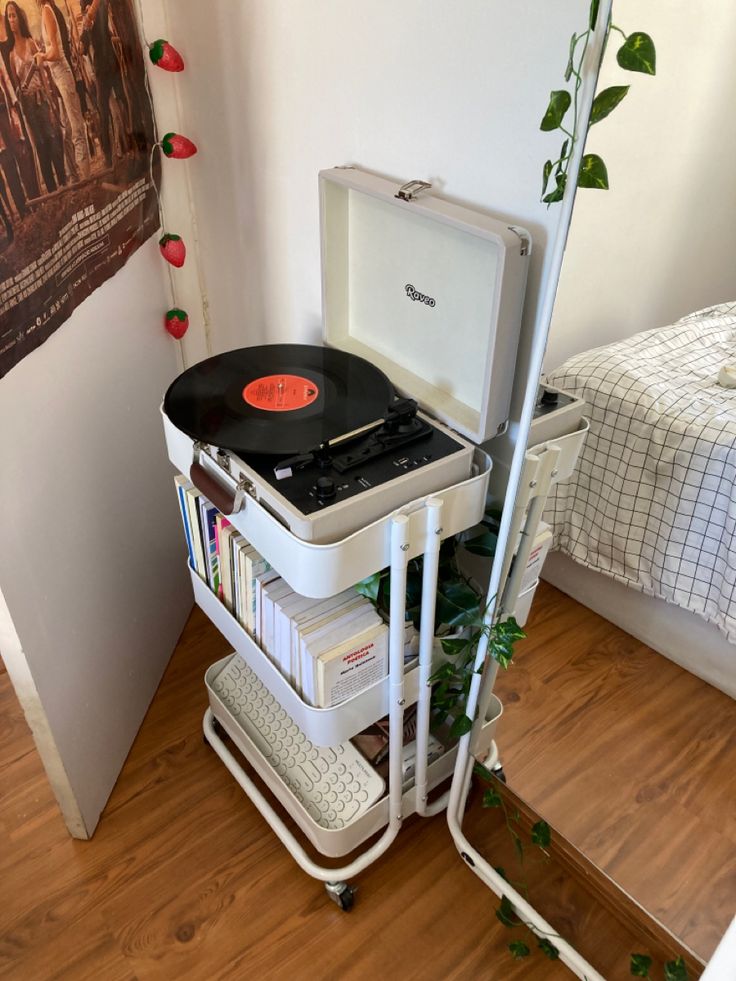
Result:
<point x="620" y="713"/>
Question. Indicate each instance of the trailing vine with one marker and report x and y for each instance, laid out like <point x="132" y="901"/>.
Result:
<point x="459" y="612"/>
<point x="636" y="54"/>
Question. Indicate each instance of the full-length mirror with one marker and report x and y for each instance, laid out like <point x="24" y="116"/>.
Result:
<point x="620" y="705"/>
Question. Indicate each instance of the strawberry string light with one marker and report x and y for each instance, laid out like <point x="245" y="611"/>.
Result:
<point x="165" y="55"/>
<point x="177" y="147"/>
<point x="176" y="322"/>
<point x="173" y="249"/>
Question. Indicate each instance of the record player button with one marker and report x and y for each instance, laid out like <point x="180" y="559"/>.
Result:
<point x="325" y="488"/>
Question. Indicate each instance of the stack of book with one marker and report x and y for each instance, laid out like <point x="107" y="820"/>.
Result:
<point x="329" y="649"/>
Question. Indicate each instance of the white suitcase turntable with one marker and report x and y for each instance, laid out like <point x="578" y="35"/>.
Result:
<point x="422" y="303"/>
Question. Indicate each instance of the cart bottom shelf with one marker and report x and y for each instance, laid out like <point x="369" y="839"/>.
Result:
<point x="331" y="842"/>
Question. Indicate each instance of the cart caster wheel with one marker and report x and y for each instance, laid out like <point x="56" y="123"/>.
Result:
<point x="341" y="894"/>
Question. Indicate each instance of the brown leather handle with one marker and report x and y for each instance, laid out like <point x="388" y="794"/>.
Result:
<point x="221" y="497"/>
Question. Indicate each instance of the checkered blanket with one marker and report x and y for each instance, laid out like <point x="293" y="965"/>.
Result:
<point x="652" y="502"/>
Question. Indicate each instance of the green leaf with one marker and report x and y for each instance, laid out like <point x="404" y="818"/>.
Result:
<point x="593" y="172"/>
<point x="519" y="949"/>
<point x="559" y="190"/>
<point x="594" y="5"/>
<point x="501" y="871"/>
<point x="369" y="587"/>
<point x="500" y="654"/>
<point x="675" y="970"/>
<point x="443" y="672"/>
<point x="541" y="834"/>
<point x="506" y="912"/>
<point x="637" y="54"/>
<point x="559" y="102"/>
<point x="457" y="604"/>
<point x="492" y="798"/>
<point x="549" y="949"/>
<point x="510" y="628"/>
<point x="518" y="845"/>
<point x="546" y="171"/>
<point x="461" y="726"/>
<point x="606" y="101"/>
<point x="640" y="964"/>
<point x="486" y="544"/>
<point x="454" y="645"/>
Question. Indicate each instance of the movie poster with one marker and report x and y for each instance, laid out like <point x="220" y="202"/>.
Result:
<point x="76" y="132"/>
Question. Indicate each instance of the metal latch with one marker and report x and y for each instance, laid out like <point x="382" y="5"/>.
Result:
<point x="408" y="191"/>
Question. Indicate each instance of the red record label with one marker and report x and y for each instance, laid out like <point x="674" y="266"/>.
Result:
<point x="280" y="393"/>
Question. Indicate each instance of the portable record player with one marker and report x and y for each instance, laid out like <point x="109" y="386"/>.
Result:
<point x="422" y="303"/>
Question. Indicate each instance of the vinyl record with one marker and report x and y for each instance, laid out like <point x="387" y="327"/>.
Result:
<point x="277" y="399"/>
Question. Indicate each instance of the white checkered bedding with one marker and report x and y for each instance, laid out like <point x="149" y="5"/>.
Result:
<point x="652" y="502"/>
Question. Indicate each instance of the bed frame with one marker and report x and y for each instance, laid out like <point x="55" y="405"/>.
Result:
<point x="679" y="635"/>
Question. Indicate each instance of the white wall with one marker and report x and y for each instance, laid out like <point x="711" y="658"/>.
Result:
<point x="661" y="242"/>
<point x="276" y="91"/>
<point x="92" y="562"/>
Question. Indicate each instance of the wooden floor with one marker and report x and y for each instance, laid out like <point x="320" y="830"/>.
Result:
<point x="632" y="758"/>
<point x="183" y="880"/>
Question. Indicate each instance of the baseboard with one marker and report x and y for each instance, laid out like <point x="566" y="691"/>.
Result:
<point x="679" y="635"/>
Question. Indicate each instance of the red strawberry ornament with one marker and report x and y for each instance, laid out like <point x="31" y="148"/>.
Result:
<point x="173" y="249"/>
<point x="165" y="56"/>
<point x="177" y="146"/>
<point x="177" y="322"/>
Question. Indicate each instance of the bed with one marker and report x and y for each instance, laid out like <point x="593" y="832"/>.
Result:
<point x="645" y="528"/>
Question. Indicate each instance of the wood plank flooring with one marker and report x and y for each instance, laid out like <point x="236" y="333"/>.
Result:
<point x="632" y="758"/>
<point x="184" y="880"/>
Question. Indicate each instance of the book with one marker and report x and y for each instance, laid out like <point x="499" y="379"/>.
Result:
<point x="320" y="613"/>
<point x="261" y="580"/>
<point x="255" y="566"/>
<point x="286" y="610"/>
<point x="221" y="522"/>
<point x="269" y="594"/>
<point x="193" y="497"/>
<point x="182" y="485"/>
<point x="343" y="626"/>
<point x="207" y="518"/>
<point x="244" y="551"/>
<point x="225" y="560"/>
<point x="351" y="667"/>
<point x="237" y="544"/>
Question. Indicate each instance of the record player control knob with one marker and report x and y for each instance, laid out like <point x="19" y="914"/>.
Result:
<point x="325" y="488"/>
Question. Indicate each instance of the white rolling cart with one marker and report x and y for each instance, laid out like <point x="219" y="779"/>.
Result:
<point x="402" y="276"/>
<point x="403" y="272"/>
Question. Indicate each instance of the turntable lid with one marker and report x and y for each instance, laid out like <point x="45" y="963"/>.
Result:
<point x="429" y="291"/>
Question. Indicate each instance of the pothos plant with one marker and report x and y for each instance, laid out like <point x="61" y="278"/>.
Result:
<point x="636" y="54"/>
<point x="459" y="621"/>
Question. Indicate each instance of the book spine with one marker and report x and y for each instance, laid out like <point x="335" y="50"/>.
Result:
<point x="181" y="488"/>
<point x="193" y="497"/>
